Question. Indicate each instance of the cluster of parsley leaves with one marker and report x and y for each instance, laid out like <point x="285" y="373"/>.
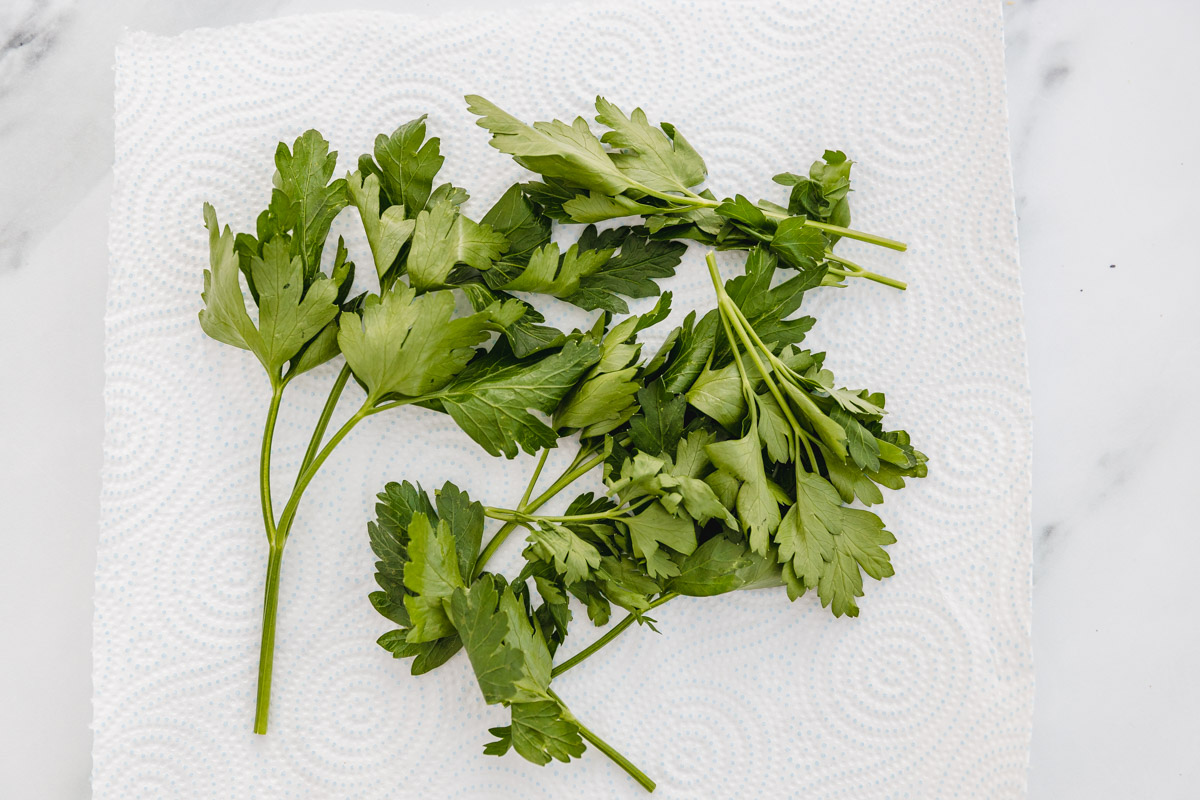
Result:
<point x="729" y="457"/>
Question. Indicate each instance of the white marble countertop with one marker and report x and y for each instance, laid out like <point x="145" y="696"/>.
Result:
<point x="1104" y="113"/>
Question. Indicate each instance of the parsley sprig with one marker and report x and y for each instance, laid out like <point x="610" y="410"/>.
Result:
<point x="728" y="466"/>
<point x="496" y="370"/>
<point x="637" y="169"/>
<point x="729" y="458"/>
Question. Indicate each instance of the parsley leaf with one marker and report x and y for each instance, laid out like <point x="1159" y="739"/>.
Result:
<point x="431" y="576"/>
<point x="660" y="424"/>
<point x="859" y="546"/>
<point x="409" y="345"/>
<point x="387" y="231"/>
<point x="661" y="159"/>
<point x="572" y="557"/>
<point x="757" y="507"/>
<point x="591" y="273"/>
<point x="289" y="316"/>
<point x="391" y="540"/>
<point x="492" y="397"/>
<point x="443" y="237"/>
<point x="604" y="399"/>
<point x="554" y="149"/>
<point x="302" y="177"/>
<point x="521" y="222"/>
<point x="406" y="164"/>
<point x="655" y="527"/>
<point x="538" y="732"/>
<point x="712" y="569"/>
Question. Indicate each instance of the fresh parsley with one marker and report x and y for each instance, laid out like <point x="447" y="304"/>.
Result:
<point x="730" y="456"/>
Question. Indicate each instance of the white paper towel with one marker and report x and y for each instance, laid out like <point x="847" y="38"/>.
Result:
<point x="928" y="694"/>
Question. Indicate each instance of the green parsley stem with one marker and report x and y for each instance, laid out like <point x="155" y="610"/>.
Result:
<point x="275" y="559"/>
<point x="314" y="443"/>
<point x="608" y="636"/>
<point x="604" y="747"/>
<point x="513" y="515"/>
<point x="493" y="545"/>
<point x="696" y="201"/>
<point x="264" y="461"/>
<point x="784" y="370"/>
<point x="850" y="233"/>
<point x="308" y="473"/>
<point x="742" y="326"/>
<point x="575" y="471"/>
<point x="537" y="473"/>
<point x="266" y="653"/>
<point x="855" y="271"/>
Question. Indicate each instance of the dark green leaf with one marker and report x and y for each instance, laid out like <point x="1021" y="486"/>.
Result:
<point x="407" y="165"/>
<point x="521" y="222"/>
<point x="798" y="245"/>
<point x="492" y="399"/>
<point x="303" y="178"/>
<point x="540" y="732"/>
<point x="712" y="569"/>
<point x="739" y="209"/>
<point x="659" y="426"/>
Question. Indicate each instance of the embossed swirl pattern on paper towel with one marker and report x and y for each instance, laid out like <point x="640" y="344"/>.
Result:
<point x="926" y="695"/>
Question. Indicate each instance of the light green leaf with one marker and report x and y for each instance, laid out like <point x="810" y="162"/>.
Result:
<point x="860" y="545"/>
<point x="724" y="486"/>
<point x="302" y="175"/>
<point x="659" y="159"/>
<point x="444" y="237"/>
<point x="224" y="315"/>
<point x="712" y="569"/>
<point x="653" y="527"/>
<point x="289" y="316"/>
<point x="863" y="447"/>
<point x="431" y="574"/>
<point x="773" y="428"/>
<point x="757" y="507"/>
<point x="830" y="432"/>
<point x="525" y="639"/>
<point x="465" y="518"/>
<point x="548" y="274"/>
<point x="850" y="481"/>
<point x="286" y="321"/>
<point x="640" y="476"/>
<point x="386" y="232"/>
<point x="691" y="458"/>
<point x="402" y="344"/>
<point x="407" y="164"/>
<point x="554" y="149"/>
<point x="600" y="404"/>
<point x="806" y="535"/>
<point x="891" y="453"/>
<point x="483" y="629"/>
<point x="718" y="393"/>
<point x="520" y="221"/>
<point x="699" y="499"/>
<point x="595" y="207"/>
<point x="539" y="733"/>
<point x="798" y="245"/>
<point x="572" y="557"/>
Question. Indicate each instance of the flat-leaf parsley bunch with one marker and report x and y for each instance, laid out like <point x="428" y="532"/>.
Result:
<point x="729" y="457"/>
